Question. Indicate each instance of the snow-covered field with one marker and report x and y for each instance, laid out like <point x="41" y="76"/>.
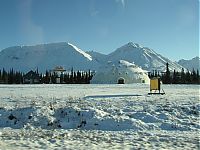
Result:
<point x="99" y="117"/>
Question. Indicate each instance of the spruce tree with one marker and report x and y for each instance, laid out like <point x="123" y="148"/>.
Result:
<point x="167" y="78"/>
<point x="0" y="77"/>
<point x="17" y="77"/>
<point x="47" y="77"/>
<point x="79" y="77"/>
<point x="62" y="78"/>
<point x="4" y="76"/>
<point x="193" y="77"/>
<point x="183" y="81"/>
<point x="198" y="77"/>
<point x="187" y="77"/>
<point x="175" y="77"/>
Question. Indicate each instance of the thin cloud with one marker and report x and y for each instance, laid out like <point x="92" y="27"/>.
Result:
<point x="122" y="2"/>
<point x="93" y="11"/>
<point x="33" y="32"/>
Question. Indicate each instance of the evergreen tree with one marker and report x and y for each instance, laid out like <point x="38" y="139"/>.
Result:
<point x="182" y="76"/>
<point x="86" y="78"/>
<point x="175" y="77"/>
<point x="74" y="77"/>
<point x="90" y="76"/>
<point x="71" y="79"/>
<point x="47" y="77"/>
<point x="22" y="79"/>
<point x="62" y="78"/>
<point x="67" y="78"/>
<point x="0" y="77"/>
<point x="198" y="77"/>
<point x="53" y="78"/>
<point x="193" y="77"/>
<point x="188" y="77"/>
<point x="4" y="76"/>
<point x="11" y="76"/>
<point x="167" y="78"/>
<point x="79" y="77"/>
<point x="18" y="77"/>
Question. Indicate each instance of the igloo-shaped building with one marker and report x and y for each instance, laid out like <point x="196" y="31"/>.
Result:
<point x="120" y="72"/>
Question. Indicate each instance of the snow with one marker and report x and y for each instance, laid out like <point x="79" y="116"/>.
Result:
<point x="99" y="116"/>
<point x="101" y="58"/>
<point x="80" y="51"/>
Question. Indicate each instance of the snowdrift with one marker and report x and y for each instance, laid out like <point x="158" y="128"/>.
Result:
<point x="102" y="114"/>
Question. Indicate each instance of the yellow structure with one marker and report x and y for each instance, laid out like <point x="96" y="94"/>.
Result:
<point x="155" y="86"/>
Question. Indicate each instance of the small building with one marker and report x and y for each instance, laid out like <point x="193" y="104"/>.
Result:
<point x="155" y="85"/>
<point x="31" y="78"/>
<point x="58" y="71"/>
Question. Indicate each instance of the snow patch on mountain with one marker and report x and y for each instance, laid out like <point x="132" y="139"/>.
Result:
<point x="81" y="52"/>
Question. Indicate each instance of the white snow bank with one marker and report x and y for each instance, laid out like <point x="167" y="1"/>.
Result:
<point x="103" y="113"/>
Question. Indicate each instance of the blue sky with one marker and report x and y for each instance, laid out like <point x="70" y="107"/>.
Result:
<point x="170" y="27"/>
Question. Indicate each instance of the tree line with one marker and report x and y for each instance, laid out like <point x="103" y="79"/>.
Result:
<point x="72" y="77"/>
<point x="11" y="77"/>
<point x="175" y="77"/>
<point x="83" y="77"/>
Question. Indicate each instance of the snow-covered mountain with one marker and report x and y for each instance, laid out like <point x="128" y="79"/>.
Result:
<point x="191" y="64"/>
<point x="46" y="57"/>
<point x="145" y="57"/>
<point x="112" y="72"/>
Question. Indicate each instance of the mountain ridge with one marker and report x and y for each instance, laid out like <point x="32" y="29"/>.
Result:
<point x="47" y="56"/>
<point x="190" y="64"/>
<point x="144" y="57"/>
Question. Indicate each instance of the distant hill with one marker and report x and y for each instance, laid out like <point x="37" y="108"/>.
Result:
<point x="191" y="64"/>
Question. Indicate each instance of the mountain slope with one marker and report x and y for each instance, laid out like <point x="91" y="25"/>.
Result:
<point x="99" y="57"/>
<point x="45" y="57"/>
<point x="142" y="56"/>
<point x="190" y="64"/>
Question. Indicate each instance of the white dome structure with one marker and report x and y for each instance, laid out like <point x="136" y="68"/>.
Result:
<point x="111" y="73"/>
